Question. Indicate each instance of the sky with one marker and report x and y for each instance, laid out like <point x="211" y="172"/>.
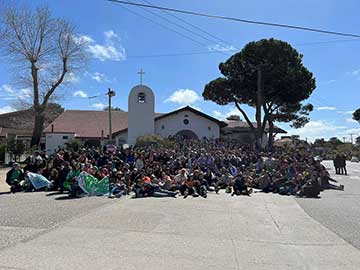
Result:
<point x="178" y="63"/>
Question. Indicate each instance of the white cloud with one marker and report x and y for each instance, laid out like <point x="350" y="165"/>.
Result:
<point x="80" y="94"/>
<point x="221" y="48"/>
<point x="184" y="97"/>
<point x="356" y="72"/>
<point x="217" y="114"/>
<point x="112" y="49"/>
<point x="350" y="120"/>
<point x="24" y="94"/>
<point x="99" y="106"/>
<point x="81" y="39"/>
<point x="223" y="116"/>
<point x="318" y="129"/>
<point x="6" y="109"/>
<point x="11" y="93"/>
<point x="7" y="88"/>
<point x="346" y="112"/>
<point x="71" y="78"/>
<point x="110" y="34"/>
<point x="326" y="108"/>
<point x="99" y="77"/>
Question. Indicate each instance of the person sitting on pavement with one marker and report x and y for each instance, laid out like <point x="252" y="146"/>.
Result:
<point x="14" y="177"/>
<point x="239" y="186"/>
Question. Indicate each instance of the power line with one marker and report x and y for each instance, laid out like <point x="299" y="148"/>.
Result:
<point x="194" y="26"/>
<point x="172" y="54"/>
<point x="326" y="42"/>
<point x="178" y="25"/>
<point x="164" y="26"/>
<point x="238" y="19"/>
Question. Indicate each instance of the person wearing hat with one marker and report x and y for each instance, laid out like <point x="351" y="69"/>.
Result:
<point x="13" y="178"/>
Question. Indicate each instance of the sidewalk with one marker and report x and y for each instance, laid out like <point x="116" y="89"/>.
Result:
<point x="264" y="231"/>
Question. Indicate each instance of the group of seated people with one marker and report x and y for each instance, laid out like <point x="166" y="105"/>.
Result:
<point x="189" y="168"/>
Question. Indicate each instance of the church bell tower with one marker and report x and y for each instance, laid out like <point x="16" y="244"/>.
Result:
<point x="141" y="113"/>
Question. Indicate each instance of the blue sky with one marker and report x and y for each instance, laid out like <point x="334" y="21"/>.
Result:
<point x="119" y="41"/>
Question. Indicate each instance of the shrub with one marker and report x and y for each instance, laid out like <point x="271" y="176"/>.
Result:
<point x="153" y="140"/>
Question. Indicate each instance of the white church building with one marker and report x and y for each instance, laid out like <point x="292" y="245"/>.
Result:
<point x="92" y="127"/>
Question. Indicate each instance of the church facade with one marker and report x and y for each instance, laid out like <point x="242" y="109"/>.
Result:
<point x="185" y="122"/>
<point x="92" y="128"/>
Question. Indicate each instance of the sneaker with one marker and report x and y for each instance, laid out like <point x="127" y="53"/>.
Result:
<point x="341" y="187"/>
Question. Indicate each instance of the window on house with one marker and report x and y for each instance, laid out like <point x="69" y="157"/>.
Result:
<point x="209" y="128"/>
<point x="162" y="127"/>
<point x="186" y="121"/>
<point x="65" y="137"/>
<point x="141" y="97"/>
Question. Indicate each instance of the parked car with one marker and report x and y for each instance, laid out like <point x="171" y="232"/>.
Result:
<point x="354" y="159"/>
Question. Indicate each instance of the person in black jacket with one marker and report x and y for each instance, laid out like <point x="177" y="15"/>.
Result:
<point x="13" y="178"/>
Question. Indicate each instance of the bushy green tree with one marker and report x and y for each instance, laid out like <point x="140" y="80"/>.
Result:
<point x="356" y="115"/>
<point x="286" y="83"/>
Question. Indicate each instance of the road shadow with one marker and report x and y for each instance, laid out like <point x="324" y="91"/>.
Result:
<point x="55" y="193"/>
<point x="67" y="197"/>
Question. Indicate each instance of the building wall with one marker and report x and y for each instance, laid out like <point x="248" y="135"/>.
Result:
<point x="201" y="126"/>
<point x="121" y="138"/>
<point x="55" y="140"/>
<point x="141" y="113"/>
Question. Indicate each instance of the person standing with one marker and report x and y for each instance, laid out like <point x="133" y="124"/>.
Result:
<point x="343" y="164"/>
<point x="337" y="164"/>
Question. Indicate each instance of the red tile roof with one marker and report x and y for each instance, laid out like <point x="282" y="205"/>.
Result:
<point x="245" y="125"/>
<point x="89" y="124"/>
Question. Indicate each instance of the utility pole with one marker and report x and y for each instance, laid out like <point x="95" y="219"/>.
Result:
<point x="111" y="94"/>
<point x="344" y="138"/>
<point x="259" y="103"/>
<point x="351" y="135"/>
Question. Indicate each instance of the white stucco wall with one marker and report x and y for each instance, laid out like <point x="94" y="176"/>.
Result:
<point x="199" y="125"/>
<point x="121" y="138"/>
<point x="141" y="114"/>
<point x="54" y="140"/>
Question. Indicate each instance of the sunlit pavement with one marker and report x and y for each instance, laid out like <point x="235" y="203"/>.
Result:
<point x="265" y="231"/>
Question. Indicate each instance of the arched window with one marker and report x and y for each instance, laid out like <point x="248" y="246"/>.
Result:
<point x="141" y="97"/>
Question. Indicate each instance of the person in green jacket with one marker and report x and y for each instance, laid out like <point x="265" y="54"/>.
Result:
<point x="71" y="182"/>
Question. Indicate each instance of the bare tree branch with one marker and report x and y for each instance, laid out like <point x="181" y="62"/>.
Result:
<point x="43" y="50"/>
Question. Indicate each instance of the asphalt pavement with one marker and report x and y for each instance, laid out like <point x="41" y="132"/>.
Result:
<point x="339" y="211"/>
<point x="41" y="230"/>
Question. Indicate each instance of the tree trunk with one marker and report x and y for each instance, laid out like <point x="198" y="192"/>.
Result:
<point x="38" y="126"/>
<point x="271" y="136"/>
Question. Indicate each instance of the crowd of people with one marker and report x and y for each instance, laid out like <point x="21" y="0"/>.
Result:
<point x="188" y="168"/>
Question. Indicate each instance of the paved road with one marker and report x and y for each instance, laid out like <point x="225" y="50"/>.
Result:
<point x="265" y="231"/>
<point x="27" y="215"/>
<point x="339" y="210"/>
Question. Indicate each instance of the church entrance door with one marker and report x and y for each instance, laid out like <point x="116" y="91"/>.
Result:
<point x="187" y="135"/>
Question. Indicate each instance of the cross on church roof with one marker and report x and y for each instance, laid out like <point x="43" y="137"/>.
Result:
<point x="141" y="73"/>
